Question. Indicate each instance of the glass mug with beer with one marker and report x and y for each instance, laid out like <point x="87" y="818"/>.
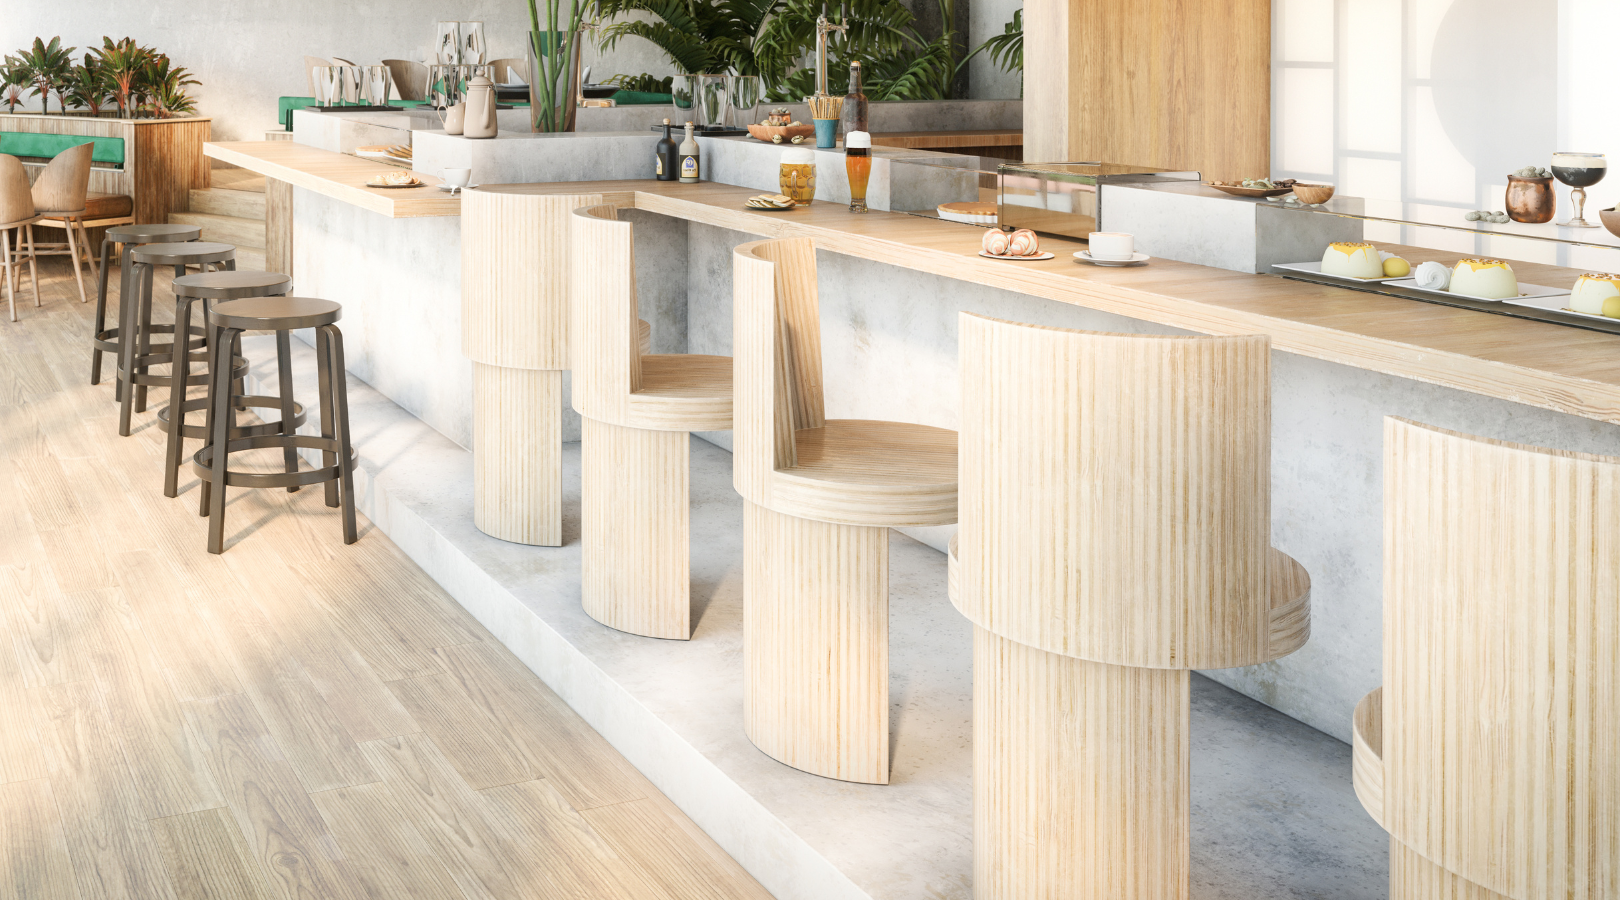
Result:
<point x="798" y="174"/>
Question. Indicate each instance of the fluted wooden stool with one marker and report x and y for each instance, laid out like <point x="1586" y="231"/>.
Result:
<point x="128" y="237"/>
<point x="1115" y="534"/>
<point x="820" y="495"/>
<point x="139" y="354"/>
<point x="638" y="409"/>
<point x="1491" y="754"/>
<point x="282" y="315"/>
<point x="207" y="287"/>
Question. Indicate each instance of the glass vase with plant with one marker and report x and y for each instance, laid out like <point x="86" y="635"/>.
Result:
<point x="554" y="55"/>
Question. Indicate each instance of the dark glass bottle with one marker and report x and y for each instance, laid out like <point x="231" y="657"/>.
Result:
<point x="853" y="118"/>
<point x="666" y="161"/>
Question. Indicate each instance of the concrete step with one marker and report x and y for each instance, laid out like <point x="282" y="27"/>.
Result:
<point x="225" y="229"/>
<point x="223" y="202"/>
<point x="249" y="259"/>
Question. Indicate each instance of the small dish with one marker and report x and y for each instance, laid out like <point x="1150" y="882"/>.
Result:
<point x="1313" y="193"/>
<point x="1135" y="260"/>
<point x="771" y="208"/>
<point x="974" y="213"/>
<point x="1315" y="268"/>
<point x="1036" y="258"/>
<point x="1237" y="191"/>
<point x="455" y="190"/>
<point x="1526" y="292"/>
<point x="388" y="187"/>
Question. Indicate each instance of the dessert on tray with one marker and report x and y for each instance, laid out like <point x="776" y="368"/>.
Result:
<point x="1348" y="259"/>
<point x="1491" y="279"/>
<point x="1596" y="294"/>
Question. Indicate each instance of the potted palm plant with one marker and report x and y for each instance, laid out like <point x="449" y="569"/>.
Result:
<point x="13" y="81"/>
<point x="122" y="62"/>
<point x="47" y="67"/>
<point x="161" y="88"/>
<point x="88" y="87"/>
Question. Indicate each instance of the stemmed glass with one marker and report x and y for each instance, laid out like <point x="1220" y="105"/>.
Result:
<point x="1580" y="171"/>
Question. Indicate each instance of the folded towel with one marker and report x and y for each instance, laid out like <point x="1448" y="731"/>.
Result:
<point x="1432" y="275"/>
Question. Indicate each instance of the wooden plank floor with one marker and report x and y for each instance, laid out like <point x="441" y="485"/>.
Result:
<point x="293" y="720"/>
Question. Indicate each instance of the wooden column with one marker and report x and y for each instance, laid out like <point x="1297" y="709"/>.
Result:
<point x="514" y="327"/>
<point x="278" y="226"/>
<point x="1490" y="753"/>
<point x="1181" y="84"/>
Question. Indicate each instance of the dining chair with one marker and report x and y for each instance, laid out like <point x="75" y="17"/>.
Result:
<point x="410" y="78"/>
<point x="506" y="68"/>
<point x="310" y="62"/>
<point x="61" y="200"/>
<point x="17" y="214"/>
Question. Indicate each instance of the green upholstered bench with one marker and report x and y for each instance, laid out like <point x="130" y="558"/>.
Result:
<point x="46" y="146"/>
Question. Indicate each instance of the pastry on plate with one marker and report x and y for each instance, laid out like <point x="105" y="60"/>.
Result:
<point x="1592" y="294"/>
<point x="1352" y="259"/>
<point x="1491" y="279"/>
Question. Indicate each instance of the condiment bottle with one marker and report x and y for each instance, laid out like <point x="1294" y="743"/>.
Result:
<point x="688" y="156"/>
<point x="666" y="160"/>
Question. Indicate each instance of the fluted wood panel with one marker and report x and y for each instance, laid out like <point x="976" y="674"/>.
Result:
<point x="635" y="570"/>
<point x="168" y="165"/>
<point x="517" y="454"/>
<point x="1411" y="877"/>
<point x="1367" y="753"/>
<point x="515" y="277"/>
<point x="816" y="644"/>
<point x="278" y="226"/>
<point x="1116" y="493"/>
<point x="1501" y="725"/>
<point x="1080" y="777"/>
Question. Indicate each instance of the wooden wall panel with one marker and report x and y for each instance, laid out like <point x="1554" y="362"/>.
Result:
<point x="1501" y="696"/>
<point x="1170" y="83"/>
<point x="278" y="226"/>
<point x="169" y="164"/>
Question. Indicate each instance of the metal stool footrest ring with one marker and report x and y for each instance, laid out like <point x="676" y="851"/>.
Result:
<point x="239" y="368"/>
<point x="202" y="461"/>
<point x="200" y="404"/>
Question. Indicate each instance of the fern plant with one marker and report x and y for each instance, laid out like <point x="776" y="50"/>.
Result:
<point x="898" y="63"/>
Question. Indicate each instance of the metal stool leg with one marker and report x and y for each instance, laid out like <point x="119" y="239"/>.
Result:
<point x="220" y="439"/>
<point x="179" y="374"/>
<point x="323" y="375"/>
<point x="284" y="372"/>
<point x="129" y="306"/>
<point x="101" y="314"/>
<point x="204" y="496"/>
<point x="338" y="379"/>
<point x="143" y="333"/>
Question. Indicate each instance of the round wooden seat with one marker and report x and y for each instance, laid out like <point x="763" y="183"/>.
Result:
<point x="183" y="253"/>
<point x="230" y="285"/>
<point x="682" y="392"/>
<point x="866" y="472"/>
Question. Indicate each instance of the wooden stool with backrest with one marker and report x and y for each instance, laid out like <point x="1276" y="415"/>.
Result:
<point x="638" y="409"/>
<point x="1115" y="535"/>
<point x="820" y="496"/>
<point x="1491" y="754"/>
<point x="17" y="214"/>
<point x="61" y="195"/>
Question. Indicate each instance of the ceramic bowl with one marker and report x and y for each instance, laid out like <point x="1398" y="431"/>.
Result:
<point x="1611" y="220"/>
<point x="1313" y="193"/>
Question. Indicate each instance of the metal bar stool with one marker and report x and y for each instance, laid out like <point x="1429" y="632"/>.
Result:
<point x="279" y="314"/>
<point x="208" y="287"/>
<point x="138" y="351"/>
<point x="104" y="339"/>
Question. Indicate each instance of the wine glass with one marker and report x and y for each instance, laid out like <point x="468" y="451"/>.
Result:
<point x="1580" y="171"/>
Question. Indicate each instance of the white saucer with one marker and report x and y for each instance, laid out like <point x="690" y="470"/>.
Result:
<point x="1135" y="260"/>
<point x="452" y="190"/>
<point x="1036" y="258"/>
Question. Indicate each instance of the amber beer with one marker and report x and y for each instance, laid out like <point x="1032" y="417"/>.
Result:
<point x="798" y="174"/>
<point x="858" y="162"/>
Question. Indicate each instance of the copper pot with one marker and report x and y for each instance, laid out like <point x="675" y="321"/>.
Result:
<point x="1531" y="200"/>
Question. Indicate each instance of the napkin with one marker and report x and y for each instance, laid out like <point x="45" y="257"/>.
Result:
<point x="1432" y="275"/>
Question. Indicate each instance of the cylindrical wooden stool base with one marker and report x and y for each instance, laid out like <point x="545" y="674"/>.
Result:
<point x="816" y="644"/>
<point x="1080" y="777"/>
<point x="517" y="454"/>
<point x="635" y="529"/>
<point x="1413" y="877"/>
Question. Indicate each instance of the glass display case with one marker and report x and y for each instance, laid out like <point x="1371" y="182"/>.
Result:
<point x="1063" y="198"/>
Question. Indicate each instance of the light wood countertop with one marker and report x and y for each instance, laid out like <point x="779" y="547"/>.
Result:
<point x="337" y="175"/>
<point x="1555" y="367"/>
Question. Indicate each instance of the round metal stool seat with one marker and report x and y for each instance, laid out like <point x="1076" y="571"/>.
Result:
<point x="274" y="313"/>
<point x="227" y="320"/>
<point x="102" y="338"/>
<point x="186" y="253"/>
<point x="231" y="285"/>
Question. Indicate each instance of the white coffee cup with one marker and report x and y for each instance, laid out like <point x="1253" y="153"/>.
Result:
<point x="457" y="178"/>
<point x="1111" y="245"/>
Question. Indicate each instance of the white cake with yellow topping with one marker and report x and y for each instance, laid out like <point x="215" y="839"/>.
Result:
<point x="1491" y="279"/>
<point x="1352" y="260"/>
<point x="1593" y="291"/>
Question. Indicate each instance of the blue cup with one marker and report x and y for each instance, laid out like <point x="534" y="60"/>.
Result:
<point x="826" y="133"/>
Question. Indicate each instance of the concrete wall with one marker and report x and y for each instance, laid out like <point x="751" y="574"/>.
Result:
<point x="247" y="54"/>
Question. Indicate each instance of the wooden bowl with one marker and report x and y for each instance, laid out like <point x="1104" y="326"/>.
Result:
<point x="788" y="132"/>
<point x="1313" y="193"/>
<point x="1239" y="191"/>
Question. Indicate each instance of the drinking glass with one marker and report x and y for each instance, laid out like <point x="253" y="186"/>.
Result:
<point x="473" y="48"/>
<point x="684" y="92"/>
<point x="376" y="83"/>
<point x="1580" y="171"/>
<point x="744" y="92"/>
<point x="328" y="85"/>
<point x="447" y="43"/>
<point x="351" y="84"/>
<point x="711" y="101"/>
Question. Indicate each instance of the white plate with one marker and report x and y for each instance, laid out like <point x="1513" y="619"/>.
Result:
<point x="1315" y="268"/>
<point x="1036" y="258"/>
<point x="1526" y="291"/>
<point x="965" y="218"/>
<point x="1558" y="304"/>
<point x="1135" y="260"/>
<point x="450" y="190"/>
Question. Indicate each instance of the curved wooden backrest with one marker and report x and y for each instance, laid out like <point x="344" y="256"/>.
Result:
<point x="410" y="78"/>
<point x="310" y="62"/>
<point x="62" y="187"/>
<point x="1115" y="493"/>
<point x="516" y="63"/>
<point x="776" y="358"/>
<point x="1501" y="732"/>
<point x="515" y="277"/>
<point x="16" y="198"/>
<point x="604" y="330"/>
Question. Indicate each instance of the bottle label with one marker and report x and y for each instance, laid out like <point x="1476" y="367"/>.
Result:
<point x="658" y="162"/>
<point x="689" y="167"/>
